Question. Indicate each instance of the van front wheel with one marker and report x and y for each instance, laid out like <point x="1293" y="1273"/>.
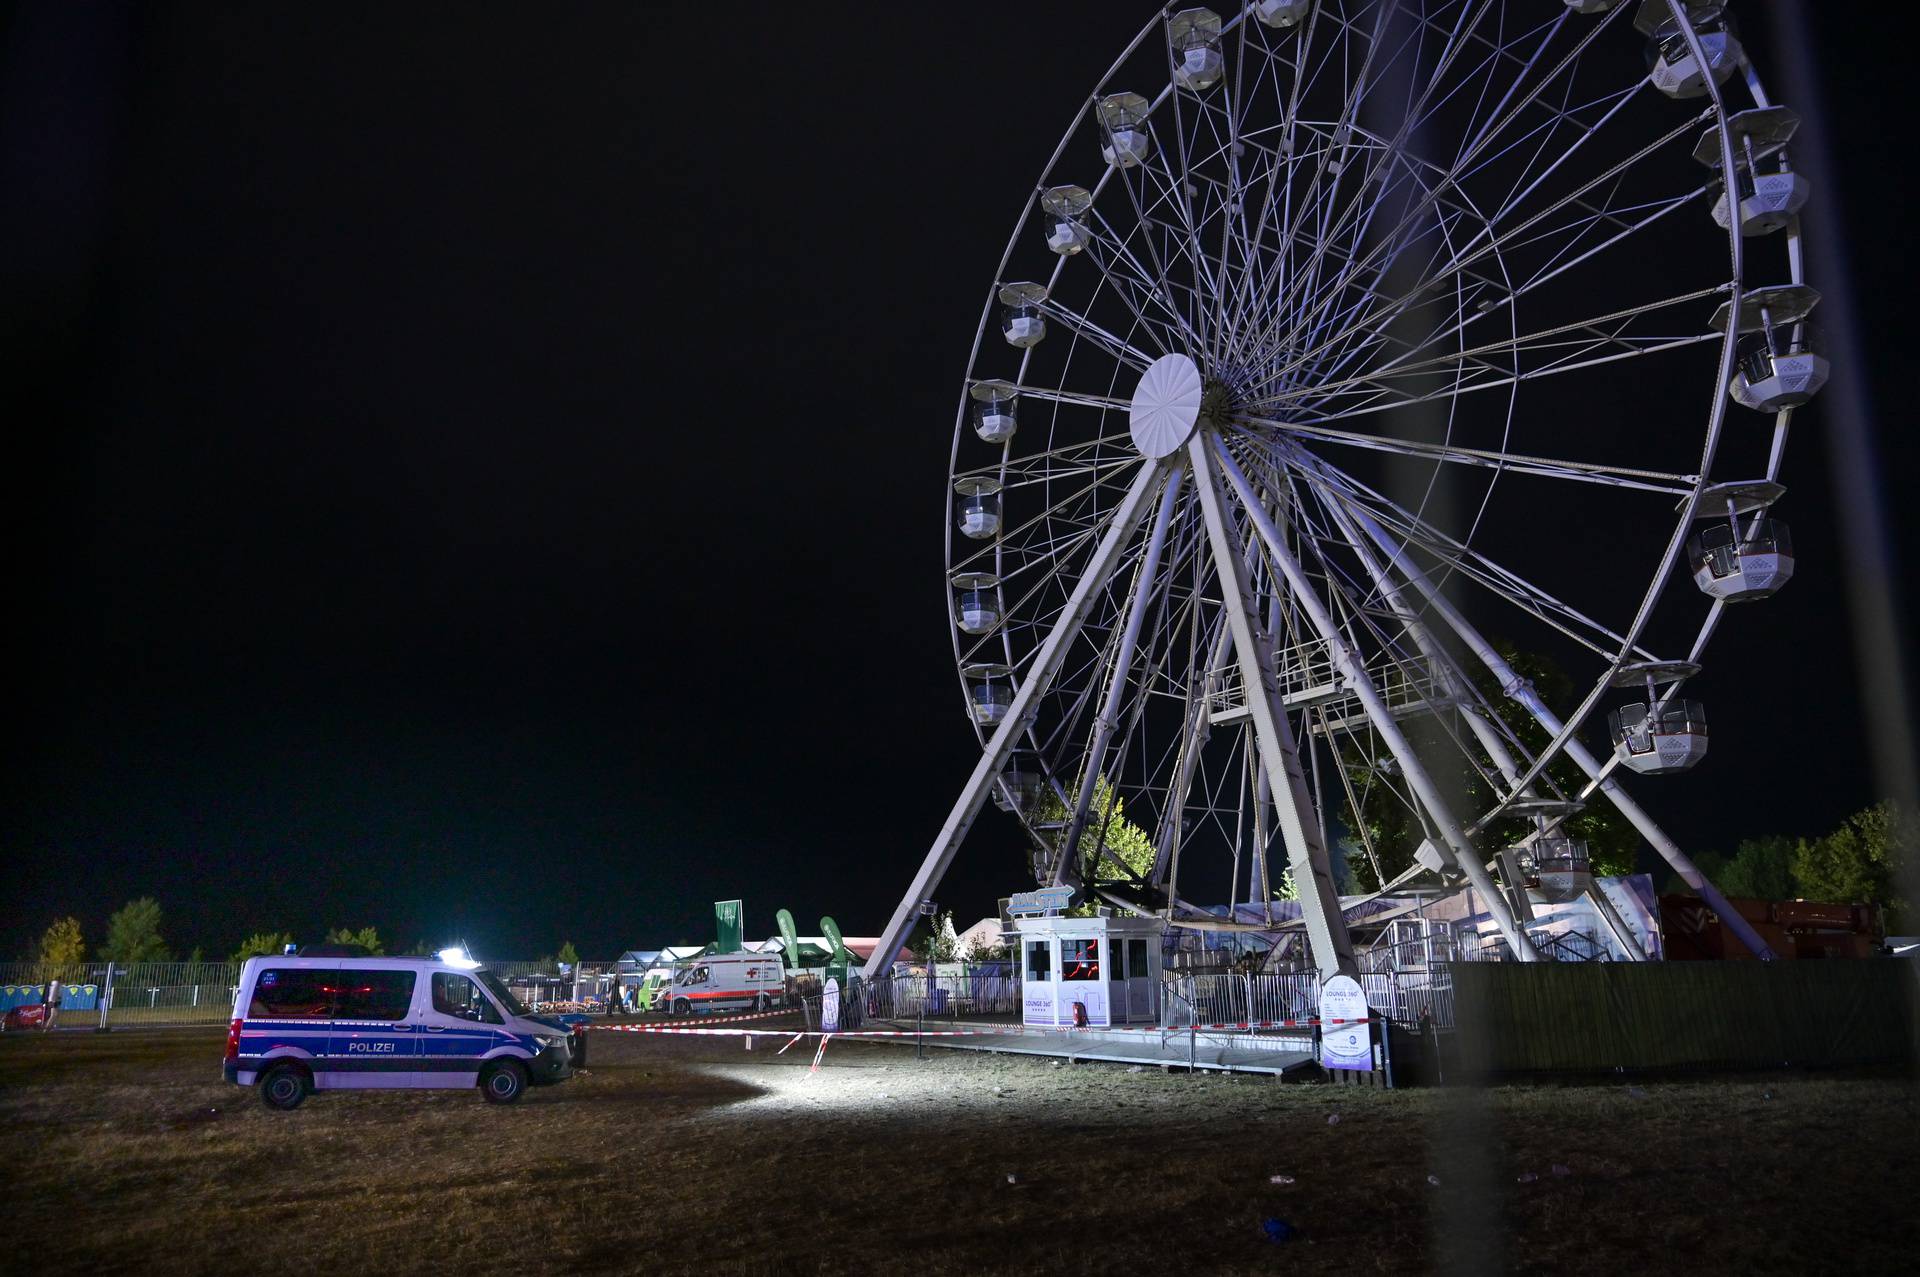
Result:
<point x="284" y="1087"/>
<point x="762" y="1003"/>
<point x="503" y="1081"/>
<point x="682" y="1007"/>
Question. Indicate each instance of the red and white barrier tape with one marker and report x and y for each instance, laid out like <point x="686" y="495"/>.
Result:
<point x="996" y="1031"/>
<point x="705" y="1019"/>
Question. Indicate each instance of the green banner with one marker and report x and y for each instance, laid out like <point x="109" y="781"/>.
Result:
<point x="837" y="964"/>
<point x="726" y="925"/>
<point x="788" y="937"/>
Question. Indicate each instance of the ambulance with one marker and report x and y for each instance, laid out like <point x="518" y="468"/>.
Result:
<point x="319" y="1022"/>
<point x="725" y="982"/>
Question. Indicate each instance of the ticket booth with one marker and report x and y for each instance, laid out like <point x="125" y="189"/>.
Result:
<point x="1109" y="967"/>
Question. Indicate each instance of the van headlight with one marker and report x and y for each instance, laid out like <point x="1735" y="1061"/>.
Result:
<point x="550" y="1044"/>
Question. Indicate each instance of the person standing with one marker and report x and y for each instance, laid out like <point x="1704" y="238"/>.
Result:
<point x="613" y="999"/>
<point x="52" y="1003"/>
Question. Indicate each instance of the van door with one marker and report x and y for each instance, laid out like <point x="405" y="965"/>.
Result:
<point x="458" y="1025"/>
<point x="373" y="1044"/>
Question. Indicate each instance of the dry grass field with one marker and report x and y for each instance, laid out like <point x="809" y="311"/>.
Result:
<point x="124" y="1152"/>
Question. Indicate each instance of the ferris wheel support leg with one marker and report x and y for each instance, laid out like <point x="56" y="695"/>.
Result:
<point x="1040" y="675"/>
<point x="1348" y="663"/>
<point x="1453" y="681"/>
<point x="1066" y="870"/>
<point x="1622" y="933"/>
<point x="1312" y="869"/>
<point x="1521" y="691"/>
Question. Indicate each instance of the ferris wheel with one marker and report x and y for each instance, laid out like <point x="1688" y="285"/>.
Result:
<point x="1342" y="349"/>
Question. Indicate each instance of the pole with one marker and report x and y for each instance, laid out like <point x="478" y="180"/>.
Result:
<point x="1306" y="853"/>
<point x="1350" y="666"/>
<point x="1521" y="691"/>
<point x="1040" y="674"/>
<point x="106" y="995"/>
<point x="1067" y="869"/>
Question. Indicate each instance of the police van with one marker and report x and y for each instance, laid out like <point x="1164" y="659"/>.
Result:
<point x="724" y="982"/>
<point x="317" y="1022"/>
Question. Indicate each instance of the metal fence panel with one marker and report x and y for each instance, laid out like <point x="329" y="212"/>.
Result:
<point x="1587" y="1016"/>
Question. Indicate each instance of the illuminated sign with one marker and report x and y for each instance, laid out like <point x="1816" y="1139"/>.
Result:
<point x="1045" y="900"/>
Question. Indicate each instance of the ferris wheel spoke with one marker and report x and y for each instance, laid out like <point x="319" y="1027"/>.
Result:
<point x="1465" y="165"/>
<point x="1378" y="158"/>
<point x="1372" y="327"/>
<point x="1516" y="463"/>
<point x="1366" y="505"/>
<point x="1118" y="347"/>
<point x="1138" y="288"/>
<point x="1590" y="334"/>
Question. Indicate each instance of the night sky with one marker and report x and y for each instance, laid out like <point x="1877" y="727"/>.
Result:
<point x="478" y="470"/>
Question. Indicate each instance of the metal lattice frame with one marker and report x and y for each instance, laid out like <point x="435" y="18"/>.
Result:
<point x="1393" y="240"/>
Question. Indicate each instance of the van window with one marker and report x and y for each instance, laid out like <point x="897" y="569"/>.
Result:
<point x="696" y="976"/>
<point x="291" y="993"/>
<point x="456" y="995"/>
<point x="374" y="995"/>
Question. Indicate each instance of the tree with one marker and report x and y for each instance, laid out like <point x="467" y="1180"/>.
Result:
<point x="943" y="945"/>
<point x="568" y="955"/>
<point x="1861" y="861"/>
<point x="62" y="944"/>
<point x="1106" y="824"/>
<point x="1759" y="869"/>
<point x="133" y="934"/>
<point x="262" y="944"/>
<point x="367" y="938"/>
<point x="1386" y="819"/>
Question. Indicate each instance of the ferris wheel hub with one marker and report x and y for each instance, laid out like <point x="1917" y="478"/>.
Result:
<point x="1166" y="405"/>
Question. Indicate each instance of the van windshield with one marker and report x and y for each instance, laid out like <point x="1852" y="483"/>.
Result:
<point x="501" y="994"/>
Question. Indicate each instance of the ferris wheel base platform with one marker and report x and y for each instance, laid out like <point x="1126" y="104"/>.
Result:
<point x="1213" y="1050"/>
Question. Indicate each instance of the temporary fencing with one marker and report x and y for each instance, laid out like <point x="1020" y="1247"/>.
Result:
<point x="108" y="994"/>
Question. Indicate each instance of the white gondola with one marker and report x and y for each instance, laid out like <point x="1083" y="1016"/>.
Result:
<point x="1782" y="362"/>
<point x="1066" y="208"/>
<point x="1671" y="63"/>
<point x="1284" y="14"/>
<point x="993" y="411"/>
<point x="1741" y="554"/>
<point x="1017" y="791"/>
<point x="1124" y="140"/>
<point x="989" y="692"/>
<point x="976" y="605"/>
<point x="1560" y="868"/>
<point x="1655" y="738"/>
<point x="1769" y="193"/>
<point x="978" y="504"/>
<point x="1021" y="322"/>
<point x="1195" y="37"/>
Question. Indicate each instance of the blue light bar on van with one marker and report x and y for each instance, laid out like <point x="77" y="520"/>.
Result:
<point x="457" y="957"/>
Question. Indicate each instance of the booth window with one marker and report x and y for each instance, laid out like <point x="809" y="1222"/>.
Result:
<point x="1080" y="959"/>
<point x="1137" y="958"/>
<point x="1039" y="960"/>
